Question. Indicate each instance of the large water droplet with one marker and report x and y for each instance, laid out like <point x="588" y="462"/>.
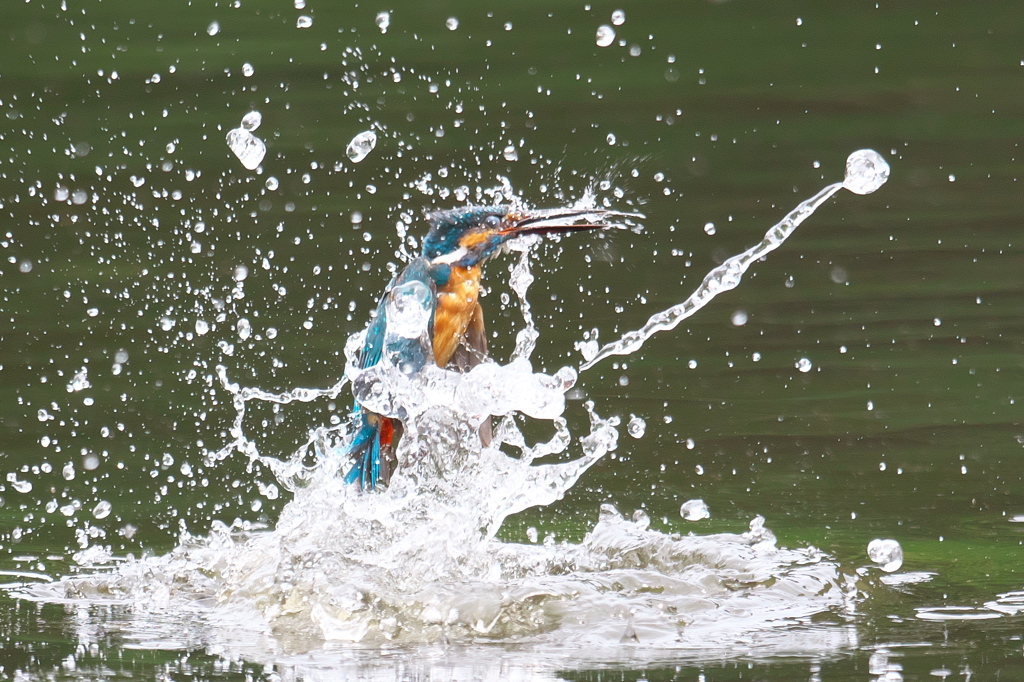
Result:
<point x="244" y="329"/>
<point x="636" y="426"/>
<point x="19" y="486"/>
<point x="886" y="553"/>
<point x="866" y="171"/>
<point x="101" y="510"/>
<point x="361" y="145"/>
<point x="605" y="36"/>
<point x="383" y="20"/>
<point x="249" y="149"/>
<point x="694" y="510"/>
<point x="252" y="120"/>
<point x="409" y="309"/>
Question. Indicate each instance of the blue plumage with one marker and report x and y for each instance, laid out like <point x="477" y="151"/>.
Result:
<point x="459" y="242"/>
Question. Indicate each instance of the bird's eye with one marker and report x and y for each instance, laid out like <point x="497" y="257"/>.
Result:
<point x="492" y="221"/>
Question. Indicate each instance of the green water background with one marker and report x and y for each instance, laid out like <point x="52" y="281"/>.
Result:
<point x="741" y="109"/>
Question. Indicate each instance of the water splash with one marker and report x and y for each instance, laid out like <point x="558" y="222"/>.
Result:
<point x="866" y="171"/>
<point x="419" y="562"/>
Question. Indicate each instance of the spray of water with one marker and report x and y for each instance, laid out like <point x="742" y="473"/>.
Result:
<point x="419" y="562"/>
<point x="866" y="171"/>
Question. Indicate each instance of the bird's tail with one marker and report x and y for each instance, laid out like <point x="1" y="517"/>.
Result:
<point x="372" y="451"/>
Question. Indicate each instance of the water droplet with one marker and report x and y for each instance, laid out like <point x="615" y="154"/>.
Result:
<point x="305" y="21"/>
<point x="886" y="553"/>
<point x="239" y="274"/>
<point x="611" y="138"/>
<point x="605" y="35"/>
<point x="19" y="486"/>
<point x="248" y="70"/>
<point x="409" y="308"/>
<point x="531" y="534"/>
<point x="249" y="149"/>
<point x="213" y="29"/>
<point x="694" y="510"/>
<point x="641" y="519"/>
<point x="62" y="193"/>
<point x="383" y="20"/>
<point x="25" y="266"/>
<point x="709" y="228"/>
<point x="618" y="17"/>
<point x="453" y="24"/>
<point x="804" y="365"/>
<point x="244" y="329"/>
<point x="510" y="153"/>
<point x="866" y="171"/>
<point x="202" y="326"/>
<point x="739" y="318"/>
<point x="636" y="426"/>
<point x="272" y="183"/>
<point x="68" y="472"/>
<point x="252" y="120"/>
<point x="361" y="145"/>
<point x="692" y="364"/>
<point x="101" y="510"/>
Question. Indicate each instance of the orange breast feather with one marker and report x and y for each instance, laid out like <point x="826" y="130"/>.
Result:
<point x="456" y="303"/>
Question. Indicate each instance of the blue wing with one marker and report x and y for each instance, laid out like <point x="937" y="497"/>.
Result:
<point x="373" y="444"/>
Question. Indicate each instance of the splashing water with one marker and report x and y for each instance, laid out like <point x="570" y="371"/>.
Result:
<point x="866" y="171"/>
<point x="419" y="562"/>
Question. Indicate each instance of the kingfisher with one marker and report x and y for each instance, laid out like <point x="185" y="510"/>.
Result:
<point x="460" y="241"/>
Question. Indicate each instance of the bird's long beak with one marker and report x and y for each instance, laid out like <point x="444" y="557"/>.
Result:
<point x="548" y="221"/>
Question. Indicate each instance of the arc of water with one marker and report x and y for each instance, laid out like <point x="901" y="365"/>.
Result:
<point x="866" y="171"/>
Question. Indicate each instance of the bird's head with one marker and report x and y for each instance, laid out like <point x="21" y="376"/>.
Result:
<point x="470" y="235"/>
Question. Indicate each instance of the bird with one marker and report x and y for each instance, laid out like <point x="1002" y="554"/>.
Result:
<point x="458" y="244"/>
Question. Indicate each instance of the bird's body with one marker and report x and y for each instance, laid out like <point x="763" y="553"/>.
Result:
<point x="460" y="241"/>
